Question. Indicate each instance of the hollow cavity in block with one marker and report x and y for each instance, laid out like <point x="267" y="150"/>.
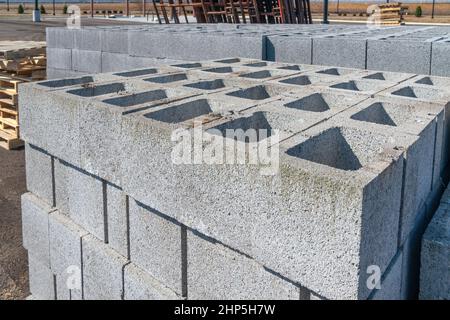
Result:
<point x="93" y="90"/>
<point x="137" y="73"/>
<point x="137" y="98"/>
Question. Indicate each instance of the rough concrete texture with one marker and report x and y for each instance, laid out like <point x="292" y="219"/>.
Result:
<point x="162" y="256"/>
<point x="139" y="285"/>
<point x="42" y="280"/>
<point x="418" y="49"/>
<point x="435" y="257"/>
<point x="243" y="278"/>
<point x="102" y="271"/>
<point x="360" y="162"/>
<point x="35" y="228"/>
<point x="39" y="167"/>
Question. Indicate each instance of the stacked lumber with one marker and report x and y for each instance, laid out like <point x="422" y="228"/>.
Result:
<point x="20" y="61"/>
<point x="392" y="13"/>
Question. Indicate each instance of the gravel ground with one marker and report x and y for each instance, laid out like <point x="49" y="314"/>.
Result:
<point x="13" y="257"/>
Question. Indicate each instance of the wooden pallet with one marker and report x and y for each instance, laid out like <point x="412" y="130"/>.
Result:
<point x="11" y="50"/>
<point x="9" y="142"/>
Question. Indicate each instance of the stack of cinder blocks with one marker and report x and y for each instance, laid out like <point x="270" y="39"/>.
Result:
<point x="421" y="50"/>
<point x="435" y="256"/>
<point x="362" y="155"/>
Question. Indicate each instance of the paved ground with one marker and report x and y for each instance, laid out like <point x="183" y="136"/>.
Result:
<point x="22" y="28"/>
<point x="13" y="257"/>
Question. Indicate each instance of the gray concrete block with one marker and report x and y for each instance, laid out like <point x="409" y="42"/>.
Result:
<point x="439" y="58"/>
<point x="80" y="195"/>
<point x="408" y="56"/>
<point x="88" y="39"/>
<point x="139" y="285"/>
<point x="391" y="282"/>
<point x="114" y="62"/>
<point x="161" y="257"/>
<point x="118" y="222"/>
<point x="286" y="48"/>
<point x="86" y="201"/>
<point x="62" y="38"/>
<point x="53" y="73"/>
<point x="86" y="61"/>
<point x="66" y="255"/>
<point x="339" y="51"/>
<point x="35" y="228"/>
<point x="42" y="281"/>
<point x="39" y="169"/>
<point x="102" y="271"/>
<point x="195" y="46"/>
<point x="58" y="58"/>
<point x="435" y="257"/>
<point x="216" y="272"/>
<point x="115" y="41"/>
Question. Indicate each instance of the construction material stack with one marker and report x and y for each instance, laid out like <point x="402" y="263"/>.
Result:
<point x="20" y="61"/>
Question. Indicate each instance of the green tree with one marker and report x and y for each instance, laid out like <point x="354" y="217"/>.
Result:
<point x="20" y="9"/>
<point x="65" y="9"/>
<point x="419" y="11"/>
<point x="42" y="9"/>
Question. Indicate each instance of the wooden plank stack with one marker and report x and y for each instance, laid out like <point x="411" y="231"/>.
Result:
<point x="20" y="61"/>
<point x="391" y="13"/>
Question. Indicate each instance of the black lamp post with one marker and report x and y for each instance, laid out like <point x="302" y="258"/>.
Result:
<point x="325" y="12"/>
<point x="432" y="10"/>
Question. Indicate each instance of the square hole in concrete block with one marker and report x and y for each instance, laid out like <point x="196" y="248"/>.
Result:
<point x="349" y="85"/>
<point x="94" y="90"/>
<point x="182" y="112"/>
<point x="382" y="113"/>
<point x="299" y="80"/>
<point x="258" y="74"/>
<point x="168" y="78"/>
<point x="219" y="70"/>
<point x="255" y="93"/>
<point x="255" y="122"/>
<point x="335" y="71"/>
<point x="66" y="82"/>
<point x="314" y="103"/>
<point x="292" y="67"/>
<point x="231" y="60"/>
<point x="435" y="81"/>
<point x="137" y="73"/>
<point x="207" y="85"/>
<point x="375" y="76"/>
<point x="341" y="148"/>
<point x="256" y="64"/>
<point x="419" y="93"/>
<point x="137" y="98"/>
<point x="188" y="65"/>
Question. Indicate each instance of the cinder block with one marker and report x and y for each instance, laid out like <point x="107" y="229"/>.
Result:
<point x="118" y="220"/>
<point x="391" y="282"/>
<point x="339" y="51"/>
<point x="161" y="257"/>
<point x="399" y="55"/>
<point x="216" y="272"/>
<point x="58" y="58"/>
<point x="289" y="48"/>
<point x="42" y="281"/>
<point x="115" y="41"/>
<point x="102" y="271"/>
<point x="435" y="258"/>
<point x="80" y="195"/>
<point x="439" y="58"/>
<point x="88" y="39"/>
<point x="139" y="285"/>
<point x="35" y="228"/>
<point x="39" y="168"/>
<point x="61" y="38"/>
<point x="86" y="61"/>
<point x="195" y="46"/>
<point x="114" y="62"/>
<point x="65" y="255"/>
